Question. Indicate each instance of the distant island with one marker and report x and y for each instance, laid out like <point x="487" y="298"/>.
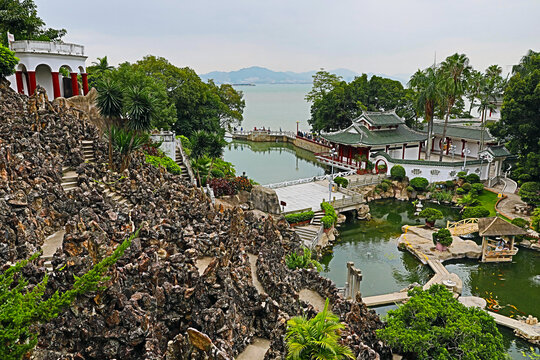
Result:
<point x="259" y="75"/>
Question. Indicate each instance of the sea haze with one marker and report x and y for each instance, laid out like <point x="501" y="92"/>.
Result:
<point x="261" y="75"/>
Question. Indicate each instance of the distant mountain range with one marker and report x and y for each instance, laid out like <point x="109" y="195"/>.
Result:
<point x="261" y="75"/>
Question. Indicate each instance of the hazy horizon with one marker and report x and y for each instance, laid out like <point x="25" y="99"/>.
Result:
<point x="391" y="37"/>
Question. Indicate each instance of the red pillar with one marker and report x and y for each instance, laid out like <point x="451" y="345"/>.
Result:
<point x="55" y="84"/>
<point x="463" y="142"/>
<point x="32" y="82"/>
<point x="419" y="149"/>
<point x="18" y="78"/>
<point x="85" y="83"/>
<point x="448" y="143"/>
<point x="403" y="152"/>
<point x="74" y="84"/>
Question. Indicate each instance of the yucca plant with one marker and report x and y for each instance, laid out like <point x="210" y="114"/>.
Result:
<point x="139" y="106"/>
<point x="316" y="338"/>
<point x="126" y="142"/>
<point x="110" y="102"/>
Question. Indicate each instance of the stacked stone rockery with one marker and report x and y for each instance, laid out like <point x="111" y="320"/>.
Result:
<point x="156" y="291"/>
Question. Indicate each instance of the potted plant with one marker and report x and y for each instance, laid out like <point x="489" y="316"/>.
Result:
<point x="431" y="216"/>
<point x="442" y="239"/>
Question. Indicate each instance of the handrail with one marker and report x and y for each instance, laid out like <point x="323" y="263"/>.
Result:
<point x="308" y="180"/>
<point x="289" y="134"/>
<point x="296" y="211"/>
<point x="185" y="161"/>
<point x="317" y="237"/>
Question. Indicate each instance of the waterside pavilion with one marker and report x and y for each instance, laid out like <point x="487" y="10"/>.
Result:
<point x="498" y="239"/>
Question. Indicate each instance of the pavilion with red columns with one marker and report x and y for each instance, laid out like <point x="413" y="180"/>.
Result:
<point x="57" y="67"/>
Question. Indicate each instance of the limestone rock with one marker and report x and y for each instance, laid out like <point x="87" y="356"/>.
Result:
<point x="265" y="199"/>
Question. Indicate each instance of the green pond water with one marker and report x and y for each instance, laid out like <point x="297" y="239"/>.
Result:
<point x="372" y="246"/>
<point x="267" y="162"/>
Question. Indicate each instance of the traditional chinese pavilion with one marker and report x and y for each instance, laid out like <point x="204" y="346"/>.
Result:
<point x="373" y="132"/>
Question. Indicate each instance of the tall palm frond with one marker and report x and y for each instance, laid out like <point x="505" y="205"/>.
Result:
<point x="140" y="107"/>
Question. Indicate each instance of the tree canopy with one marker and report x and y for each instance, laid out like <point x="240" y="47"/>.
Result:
<point x="335" y="103"/>
<point x="8" y="61"/>
<point x="20" y="18"/>
<point x="519" y="126"/>
<point x="434" y="325"/>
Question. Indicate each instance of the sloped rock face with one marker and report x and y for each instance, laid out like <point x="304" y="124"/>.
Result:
<point x="155" y="292"/>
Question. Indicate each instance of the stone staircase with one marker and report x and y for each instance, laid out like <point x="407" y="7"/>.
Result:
<point x="69" y="179"/>
<point x="307" y="234"/>
<point x="88" y="150"/>
<point x="185" y="175"/>
<point x="317" y="218"/>
<point x="114" y="196"/>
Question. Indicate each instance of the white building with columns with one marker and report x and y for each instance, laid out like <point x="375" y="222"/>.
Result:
<point x="40" y="63"/>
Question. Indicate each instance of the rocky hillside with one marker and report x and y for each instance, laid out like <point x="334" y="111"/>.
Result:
<point x="156" y="291"/>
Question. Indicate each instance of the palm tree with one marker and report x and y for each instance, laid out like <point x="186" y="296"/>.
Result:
<point x="474" y="81"/>
<point x="140" y="107"/>
<point x="110" y="102"/>
<point x="455" y="69"/>
<point x="317" y="338"/>
<point x="492" y="86"/>
<point x="426" y="84"/>
<point x="102" y="64"/>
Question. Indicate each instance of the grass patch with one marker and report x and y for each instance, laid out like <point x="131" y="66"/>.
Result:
<point x="488" y="200"/>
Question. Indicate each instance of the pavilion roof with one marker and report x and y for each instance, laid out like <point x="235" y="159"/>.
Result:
<point x="495" y="226"/>
<point x="498" y="151"/>
<point x="461" y="130"/>
<point x="360" y="135"/>
<point x="386" y="118"/>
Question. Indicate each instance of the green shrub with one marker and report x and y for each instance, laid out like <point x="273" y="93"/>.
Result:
<point x="419" y="183"/>
<point x="341" y="181"/>
<point x="522" y="223"/>
<point x="475" y="212"/>
<point x="467" y="187"/>
<point x="8" y="61"/>
<point x="216" y="173"/>
<point x="327" y="221"/>
<point x="299" y="217"/>
<point x="477" y="188"/>
<point x="431" y="214"/>
<point x="226" y="167"/>
<point x="302" y="261"/>
<point x="434" y="325"/>
<point x="384" y="186"/>
<point x="461" y="191"/>
<point x="389" y="182"/>
<point x="472" y="178"/>
<point x="397" y="172"/>
<point x="443" y="237"/>
<point x="317" y="338"/>
<point x="535" y="219"/>
<point x="166" y="162"/>
<point x="449" y="184"/>
<point x="468" y="200"/>
<point x="410" y="189"/>
<point x="462" y="175"/>
<point x="442" y="196"/>
<point x="186" y="144"/>
<point x="530" y="193"/>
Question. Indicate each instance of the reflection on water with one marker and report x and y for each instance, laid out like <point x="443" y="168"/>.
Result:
<point x="268" y="162"/>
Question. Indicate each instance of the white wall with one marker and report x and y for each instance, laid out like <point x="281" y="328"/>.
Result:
<point x="44" y="79"/>
<point x="411" y="153"/>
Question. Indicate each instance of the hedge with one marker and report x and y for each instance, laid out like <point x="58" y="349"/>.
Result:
<point x="327" y="221"/>
<point x="522" y="223"/>
<point x="330" y="215"/>
<point x="443" y="237"/>
<point x="299" y="217"/>
<point x="475" y="212"/>
<point x="166" y="162"/>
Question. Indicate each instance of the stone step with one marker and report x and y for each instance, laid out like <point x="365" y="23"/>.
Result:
<point x="51" y="244"/>
<point x="87" y="141"/>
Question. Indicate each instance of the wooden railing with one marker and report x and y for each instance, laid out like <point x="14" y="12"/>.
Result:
<point x="463" y="227"/>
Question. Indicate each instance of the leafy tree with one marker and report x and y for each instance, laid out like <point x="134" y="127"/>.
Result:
<point x="427" y="85"/>
<point x="323" y="82"/>
<point x="535" y="219"/>
<point x="434" y="325"/>
<point x="475" y="212"/>
<point x="519" y="126"/>
<point x="443" y="237"/>
<point x="205" y="143"/>
<point x="22" y="306"/>
<point x="20" y="18"/>
<point x="530" y="193"/>
<point x="98" y="71"/>
<point x="316" y="338"/>
<point x="431" y="214"/>
<point x="8" y="61"/>
<point x="454" y="71"/>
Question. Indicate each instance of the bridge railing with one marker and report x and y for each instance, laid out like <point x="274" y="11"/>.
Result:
<point x="308" y="180"/>
<point x="354" y="200"/>
<point x="462" y="227"/>
<point x="289" y="134"/>
<point x="369" y="179"/>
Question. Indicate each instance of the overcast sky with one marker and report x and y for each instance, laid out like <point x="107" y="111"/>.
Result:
<point x="390" y="37"/>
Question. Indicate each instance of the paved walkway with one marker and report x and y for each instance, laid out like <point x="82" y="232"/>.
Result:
<point x="313" y="298"/>
<point x="506" y="206"/>
<point x="255" y="351"/>
<point x="304" y="196"/>
<point x="253" y="266"/>
<point x="384" y="299"/>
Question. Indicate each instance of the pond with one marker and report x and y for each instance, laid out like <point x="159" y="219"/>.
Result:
<point x="268" y="162"/>
<point x="372" y="246"/>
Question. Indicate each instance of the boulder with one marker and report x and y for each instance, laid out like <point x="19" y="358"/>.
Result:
<point x="265" y="199"/>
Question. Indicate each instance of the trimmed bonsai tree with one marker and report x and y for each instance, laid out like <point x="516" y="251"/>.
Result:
<point x="530" y="193"/>
<point x="431" y="216"/>
<point x="397" y="172"/>
<point x="442" y="239"/>
<point x="419" y="183"/>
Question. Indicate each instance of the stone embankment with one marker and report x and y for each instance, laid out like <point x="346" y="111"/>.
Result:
<point x="161" y="301"/>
